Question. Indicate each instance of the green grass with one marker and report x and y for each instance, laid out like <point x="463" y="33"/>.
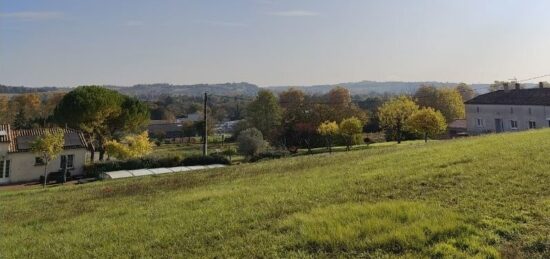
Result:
<point x="478" y="197"/>
<point x="396" y="227"/>
<point x="336" y="149"/>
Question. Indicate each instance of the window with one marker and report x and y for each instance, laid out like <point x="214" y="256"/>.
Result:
<point x="7" y="169"/>
<point x="69" y="162"/>
<point x="532" y="125"/>
<point x="480" y="122"/>
<point x="514" y="124"/>
<point x="38" y="161"/>
<point x="4" y="168"/>
<point x="530" y="111"/>
<point x="512" y="110"/>
<point x="477" y="108"/>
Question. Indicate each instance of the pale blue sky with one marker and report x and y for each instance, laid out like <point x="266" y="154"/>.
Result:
<point x="268" y="42"/>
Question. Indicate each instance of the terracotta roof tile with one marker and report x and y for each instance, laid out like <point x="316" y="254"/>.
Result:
<point x="4" y="129"/>
<point x="73" y="138"/>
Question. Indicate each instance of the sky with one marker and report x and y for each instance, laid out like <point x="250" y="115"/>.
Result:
<point x="271" y="43"/>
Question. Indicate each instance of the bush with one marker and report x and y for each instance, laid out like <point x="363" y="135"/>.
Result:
<point x="56" y="177"/>
<point x="269" y="155"/>
<point x="205" y="160"/>
<point x="94" y="170"/>
<point x="251" y="142"/>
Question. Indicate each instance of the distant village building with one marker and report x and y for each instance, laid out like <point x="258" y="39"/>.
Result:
<point x="192" y="117"/>
<point x="227" y="127"/>
<point x="509" y="110"/>
<point x="154" y="122"/>
<point x="19" y="164"/>
<point x="171" y="131"/>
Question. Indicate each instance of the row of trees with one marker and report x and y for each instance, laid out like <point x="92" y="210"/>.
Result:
<point x="403" y="114"/>
<point x="102" y="114"/>
<point x="29" y="109"/>
<point x="294" y="119"/>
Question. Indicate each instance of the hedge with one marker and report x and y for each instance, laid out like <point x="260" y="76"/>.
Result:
<point x="205" y="160"/>
<point x="269" y="155"/>
<point x="94" y="170"/>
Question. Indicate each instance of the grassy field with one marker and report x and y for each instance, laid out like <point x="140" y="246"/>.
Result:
<point x="485" y="197"/>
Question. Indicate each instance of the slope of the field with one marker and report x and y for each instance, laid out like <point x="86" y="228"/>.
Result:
<point x="485" y="196"/>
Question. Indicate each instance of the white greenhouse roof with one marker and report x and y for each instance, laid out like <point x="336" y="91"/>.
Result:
<point x="156" y="171"/>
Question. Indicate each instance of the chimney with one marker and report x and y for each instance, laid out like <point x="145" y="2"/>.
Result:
<point x="518" y="86"/>
<point x="541" y="84"/>
<point x="506" y="87"/>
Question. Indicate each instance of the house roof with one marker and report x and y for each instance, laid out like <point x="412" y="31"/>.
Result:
<point x="532" y="96"/>
<point x="156" y="128"/>
<point x="4" y="129"/>
<point x="21" y="140"/>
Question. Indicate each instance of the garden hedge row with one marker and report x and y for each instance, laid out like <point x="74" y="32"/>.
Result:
<point x="94" y="170"/>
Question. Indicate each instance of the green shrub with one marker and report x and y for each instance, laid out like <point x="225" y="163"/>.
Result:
<point x="269" y="155"/>
<point x="96" y="169"/>
<point x="251" y="142"/>
<point x="205" y="160"/>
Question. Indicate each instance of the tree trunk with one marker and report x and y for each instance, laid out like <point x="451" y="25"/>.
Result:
<point x="425" y="137"/>
<point x="45" y="174"/>
<point x="92" y="147"/>
<point x="92" y="154"/>
<point x="65" y="169"/>
<point x="308" y="146"/>
<point x="399" y="135"/>
<point x="101" y="154"/>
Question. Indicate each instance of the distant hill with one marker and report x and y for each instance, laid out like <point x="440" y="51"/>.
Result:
<point x="4" y="89"/>
<point x="369" y="87"/>
<point x="147" y="91"/>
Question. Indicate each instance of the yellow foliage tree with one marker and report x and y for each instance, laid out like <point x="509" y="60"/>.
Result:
<point x="328" y="129"/>
<point x="4" y="118"/>
<point x="394" y="114"/>
<point x="448" y="101"/>
<point x="450" y="104"/>
<point x="131" y="146"/>
<point x="48" y="146"/>
<point x="31" y="103"/>
<point x="428" y="122"/>
<point x="349" y="128"/>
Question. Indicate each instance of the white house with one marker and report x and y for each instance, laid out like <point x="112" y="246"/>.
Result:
<point x="19" y="164"/>
<point x="509" y="110"/>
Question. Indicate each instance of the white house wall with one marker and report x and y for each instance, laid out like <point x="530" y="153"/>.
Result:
<point x="23" y="168"/>
<point x="521" y="114"/>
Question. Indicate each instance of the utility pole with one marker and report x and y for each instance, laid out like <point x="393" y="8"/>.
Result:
<point x="205" y="138"/>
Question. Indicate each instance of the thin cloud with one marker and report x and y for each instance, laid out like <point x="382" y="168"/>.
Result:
<point x="222" y="23"/>
<point x="32" y="16"/>
<point x="295" y="13"/>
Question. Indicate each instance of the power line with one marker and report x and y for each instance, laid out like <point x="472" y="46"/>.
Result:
<point x="532" y="78"/>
